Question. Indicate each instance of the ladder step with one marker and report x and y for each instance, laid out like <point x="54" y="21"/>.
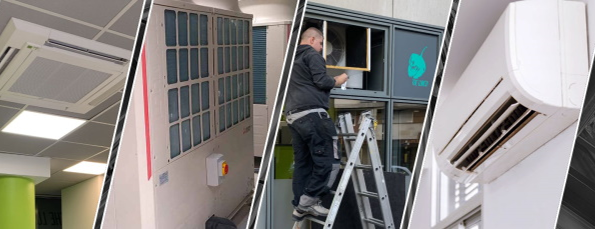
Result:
<point x="313" y="219"/>
<point x="368" y="194"/>
<point x="347" y="134"/>
<point x="361" y="166"/>
<point x="375" y="221"/>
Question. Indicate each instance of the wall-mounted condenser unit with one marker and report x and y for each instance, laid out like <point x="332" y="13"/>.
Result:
<point x="47" y="68"/>
<point x="523" y="87"/>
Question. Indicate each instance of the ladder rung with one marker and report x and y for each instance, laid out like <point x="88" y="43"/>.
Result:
<point x="361" y="166"/>
<point x="375" y="221"/>
<point x="368" y="194"/>
<point x="311" y="218"/>
<point x="347" y="134"/>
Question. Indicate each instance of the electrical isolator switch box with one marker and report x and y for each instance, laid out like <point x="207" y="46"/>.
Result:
<point x="217" y="168"/>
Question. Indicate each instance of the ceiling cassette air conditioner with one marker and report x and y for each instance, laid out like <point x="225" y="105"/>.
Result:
<point x="43" y="67"/>
<point x="523" y="87"/>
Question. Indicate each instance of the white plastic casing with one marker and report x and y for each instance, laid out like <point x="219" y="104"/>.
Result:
<point x="214" y="169"/>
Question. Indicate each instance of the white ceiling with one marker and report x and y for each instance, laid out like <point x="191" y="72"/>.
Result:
<point x="113" y="22"/>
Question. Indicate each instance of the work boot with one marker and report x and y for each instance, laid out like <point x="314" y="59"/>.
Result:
<point x="315" y="209"/>
<point x="298" y="215"/>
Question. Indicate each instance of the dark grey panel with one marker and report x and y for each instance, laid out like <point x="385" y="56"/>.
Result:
<point x="128" y="22"/>
<point x="109" y="116"/>
<point x="57" y="165"/>
<point x="11" y="104"/>
<point x="52" y="187"/>
<point x="96" y="12"/>
<point x="116" y="40"/>
<point x="21" y="144"/>
<point x="6" y="114"/>
<point x="72" y="151"/>
<point x="93" y="134"/>
<point x="8" y="10"/>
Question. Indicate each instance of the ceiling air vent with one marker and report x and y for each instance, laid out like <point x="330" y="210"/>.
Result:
<point x="48" y="68"/>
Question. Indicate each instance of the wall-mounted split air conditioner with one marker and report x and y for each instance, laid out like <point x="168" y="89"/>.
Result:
<point x="43" y="67"/>
<point x="523" y="87"/>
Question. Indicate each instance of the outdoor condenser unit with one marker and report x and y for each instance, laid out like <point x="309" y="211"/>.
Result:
<point x="523" y="87"/>
<point x="43" y="67"/>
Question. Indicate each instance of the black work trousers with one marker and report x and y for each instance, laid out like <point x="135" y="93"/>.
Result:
<point x="314" y="140"/>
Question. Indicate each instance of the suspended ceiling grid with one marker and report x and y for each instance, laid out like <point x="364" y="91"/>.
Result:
<point x="113" y="22"/>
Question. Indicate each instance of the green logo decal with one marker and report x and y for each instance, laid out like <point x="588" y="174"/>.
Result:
<point x="417" y="64"/>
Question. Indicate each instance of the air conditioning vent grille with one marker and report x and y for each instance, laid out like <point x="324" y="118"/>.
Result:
<point x="59" y="81"/>
<point x="493" y="134"/>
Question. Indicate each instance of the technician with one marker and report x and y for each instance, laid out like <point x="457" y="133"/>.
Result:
<point x="313" y="132"/>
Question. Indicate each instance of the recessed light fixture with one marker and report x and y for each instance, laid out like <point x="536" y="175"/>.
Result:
<point x="87" y="167"/>
<point x="42" y="125"/>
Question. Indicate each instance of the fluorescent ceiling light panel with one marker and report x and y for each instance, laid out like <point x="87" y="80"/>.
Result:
<point x="87" y="168"/>
<point x="42" y="125"/>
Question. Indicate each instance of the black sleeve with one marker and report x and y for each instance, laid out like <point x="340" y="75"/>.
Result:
<point x="317" y="67"/>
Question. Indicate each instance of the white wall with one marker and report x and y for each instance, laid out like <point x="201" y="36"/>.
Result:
<point x="79" y="203"/>
<point x="529" y="194"/>
<point x="433" y="12"/>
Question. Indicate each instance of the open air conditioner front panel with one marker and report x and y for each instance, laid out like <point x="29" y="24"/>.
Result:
<point x="346" y="46"/>
<point x="70" y="74"/>
<point x="515" y="95"/>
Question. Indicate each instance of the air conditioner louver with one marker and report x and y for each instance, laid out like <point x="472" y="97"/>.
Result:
<point x="516" y="94"/>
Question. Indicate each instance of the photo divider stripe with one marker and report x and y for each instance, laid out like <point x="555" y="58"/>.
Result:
<point x="124" y="105"/>
<point x="409" y="201"/>
<point x="267" y="156"/>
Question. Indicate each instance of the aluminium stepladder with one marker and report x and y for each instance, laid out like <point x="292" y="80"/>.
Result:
<point x="353" y="169"/>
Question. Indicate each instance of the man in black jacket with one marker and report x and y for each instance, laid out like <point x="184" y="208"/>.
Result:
<point x="314" y="137"/>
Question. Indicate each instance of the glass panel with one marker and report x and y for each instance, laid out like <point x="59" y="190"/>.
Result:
<point x="220" y="93"/>
<point x="246" y="31"/>
<point x="184" y="101"/>
<point x="204" y="21"/>
<point x="174" y="141"/>
<point x="171" y="59"/>
<point x="235" y="112"/>
<point x="234" y="59"/>
<point x="219" y="31"/>
<point x="206" y="126"/>
<point x="227" y="89"/>
<point x="220" y="60"/>
<point x="186" y="136"/>
<point x="170" y="28"/>
<point x="193" y="29"/>
<point x="233" y="31"/>
<point x="234" y="87"/>
<point x="221" y="118"/>
<point x="182" y="28"/>
<point x="205" y="95"/>
<point x="172" y="101"/>
<point x="241" y="84"/>
<point x="226" y="31"/>
<point x="407" y="124"/>
<point x="246" y="57"/>
<point x="193" y="63"/>
<point x="183" y="65"/>
<point x="247" y="83"/>
<point x="240" y="32"/>
<point x="204" y="62"/>
<point x="228" y="115"/>
<point x="241" y="58"/>
<point x="356" y="107"/>
<point x="248" y="106"/>
<point x="196" y="130"/>
<point x="195" y="92"/>
<point x="242" y="109"/>
<point x="227" y="60"/>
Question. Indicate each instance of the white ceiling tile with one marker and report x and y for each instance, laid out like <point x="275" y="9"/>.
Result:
<point x="73" y="151"/>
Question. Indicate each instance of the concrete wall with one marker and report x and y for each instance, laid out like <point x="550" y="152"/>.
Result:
<point x="433" y="12"/>
<point x="79" y="203"/>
